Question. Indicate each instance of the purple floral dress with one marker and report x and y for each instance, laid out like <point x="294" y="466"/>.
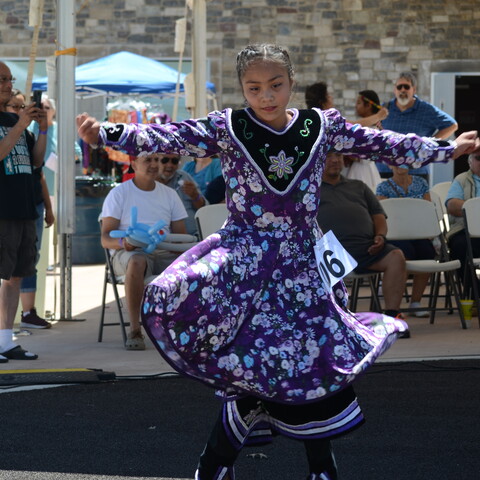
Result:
<point x="245" y="310"/>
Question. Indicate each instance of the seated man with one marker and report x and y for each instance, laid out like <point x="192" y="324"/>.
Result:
<point x="350" y="209"/>
<point x="154" y="202"/>
<point x="464" y="186"/>
<point x="186" y="187"/>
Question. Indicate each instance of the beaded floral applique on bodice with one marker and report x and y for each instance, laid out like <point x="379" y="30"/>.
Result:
<point x="278" y="164"/>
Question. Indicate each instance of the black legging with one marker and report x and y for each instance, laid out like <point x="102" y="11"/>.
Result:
<point x="220" y="452"/>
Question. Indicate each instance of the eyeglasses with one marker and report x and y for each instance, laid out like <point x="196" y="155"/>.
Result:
<point x="406" y="86"/>
<point x="15" y="107"/>
<point x="165" y="160"/>
<point x="4" y="79"/>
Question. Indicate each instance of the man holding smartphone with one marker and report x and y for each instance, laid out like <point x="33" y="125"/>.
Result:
<point x="18" y="155"/>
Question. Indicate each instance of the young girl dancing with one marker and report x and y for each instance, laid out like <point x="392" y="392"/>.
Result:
<point x="246" y="310"/>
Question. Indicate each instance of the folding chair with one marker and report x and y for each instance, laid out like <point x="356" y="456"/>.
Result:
<point x="471" y="214"/>
<point x="373" y="279"/>
<point x="112" y="279"/>
<point x="442" y="216"/>
<point x="414" y="218"/>
<point x="441" y="189"/>
<point x="441" y="211"/>
<point x="210" y="219"/>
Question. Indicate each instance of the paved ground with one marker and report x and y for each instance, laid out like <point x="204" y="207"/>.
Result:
<point x="422" y="424"/>
<point x="73" y="344"/>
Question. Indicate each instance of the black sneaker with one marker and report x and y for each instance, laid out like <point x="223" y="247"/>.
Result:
<point x="32" y="320"/>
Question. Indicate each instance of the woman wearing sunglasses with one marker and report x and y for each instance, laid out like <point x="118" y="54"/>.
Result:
<point x="407" y="113"/>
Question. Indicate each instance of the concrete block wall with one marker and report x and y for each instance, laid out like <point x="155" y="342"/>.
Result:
<point x="350" y="44"/>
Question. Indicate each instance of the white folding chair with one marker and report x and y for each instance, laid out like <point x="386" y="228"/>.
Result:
<point x="471" y="214"/>
<point x="441" y="211"/>
<point x="442" y="216"/>
<point x="441" y="189"/>
<point x="415" y="219"/>
<point x="210" y="219"/>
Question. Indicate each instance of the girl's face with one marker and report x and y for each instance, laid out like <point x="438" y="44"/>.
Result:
<point x="267" y="89"/>
<point x="362" y="108"/>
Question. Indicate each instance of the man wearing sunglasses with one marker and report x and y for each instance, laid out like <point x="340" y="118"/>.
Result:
<point x="407" y="113"/>
<point x="184" y="184"/>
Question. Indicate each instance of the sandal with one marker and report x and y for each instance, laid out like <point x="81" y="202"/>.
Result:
<point x="18" y="353"/>
<point x="135" y="341"/>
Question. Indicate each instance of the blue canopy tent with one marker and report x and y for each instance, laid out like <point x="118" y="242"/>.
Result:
<point x="124" y="73"/>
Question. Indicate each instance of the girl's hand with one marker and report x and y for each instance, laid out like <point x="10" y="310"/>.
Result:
<point x="88" y="128"/>
<point x="467" y="142"/>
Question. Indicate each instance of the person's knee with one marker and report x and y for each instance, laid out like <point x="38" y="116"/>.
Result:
<point x="137" y="265"/>
<point x="395" y="259"/>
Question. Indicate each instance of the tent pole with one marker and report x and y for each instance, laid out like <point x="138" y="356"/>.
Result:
<point x="199" y="50"/>
<point x="66" y="152"/>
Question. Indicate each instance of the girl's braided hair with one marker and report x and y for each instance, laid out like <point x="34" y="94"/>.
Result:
<point x="263" y="52"/>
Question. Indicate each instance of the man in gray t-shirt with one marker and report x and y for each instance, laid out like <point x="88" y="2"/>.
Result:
<point x="350" y="209"/>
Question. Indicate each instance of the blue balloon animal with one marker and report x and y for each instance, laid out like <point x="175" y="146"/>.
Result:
<point x="142" y="235"/>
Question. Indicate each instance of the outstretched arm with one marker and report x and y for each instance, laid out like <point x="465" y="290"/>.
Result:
<point x="88" y="128"/>
<point x="197" y="138"/>
<point x="395" y="148"/>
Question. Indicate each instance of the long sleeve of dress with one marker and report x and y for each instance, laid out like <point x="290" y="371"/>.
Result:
<point x="198" y="138"/>
<point x="383" y="145"/>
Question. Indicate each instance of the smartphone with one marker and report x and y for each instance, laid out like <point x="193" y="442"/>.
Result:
<point x="37" y="98"/>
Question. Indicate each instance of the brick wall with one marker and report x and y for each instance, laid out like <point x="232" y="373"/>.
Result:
<point x="351" y="44"/>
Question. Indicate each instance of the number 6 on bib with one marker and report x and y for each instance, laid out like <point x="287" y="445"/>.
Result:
<point x="333" y="261"/>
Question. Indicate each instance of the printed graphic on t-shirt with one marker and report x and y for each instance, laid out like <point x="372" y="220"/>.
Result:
<point x="18" y="160"/>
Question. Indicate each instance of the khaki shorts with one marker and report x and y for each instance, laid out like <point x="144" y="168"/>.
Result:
<point x="157" y="262"/>
<point x="17" y="248"/>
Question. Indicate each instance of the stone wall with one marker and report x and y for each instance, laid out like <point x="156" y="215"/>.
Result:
<point x="351" y="44"/>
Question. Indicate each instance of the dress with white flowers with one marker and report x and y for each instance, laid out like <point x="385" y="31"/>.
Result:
<point x="245" y="310"/>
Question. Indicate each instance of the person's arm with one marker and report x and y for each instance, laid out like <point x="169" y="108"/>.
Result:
<point x="455" y="206"/>
<point x="380" y="235"/>
<point x="109" y="224"/>
<point x="394" y="148"/>
<point x="426" y="196"/>
<point x="41" y="142"/>
<point x="8" y="142"/>
<point x="178" y="226"/>
<point x="446" y="132"/>
<point x="194" y="137"/>
<point x="374" y="119"/>
<point x="191" y="189"/>
<point x="49" y="215"/>
<point x="381" y="197"/>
